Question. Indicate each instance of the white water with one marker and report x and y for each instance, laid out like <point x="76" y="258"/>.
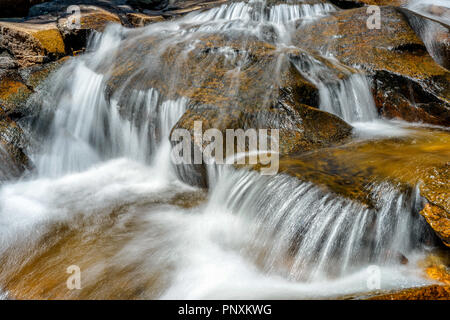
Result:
<point x="255" y="237"/>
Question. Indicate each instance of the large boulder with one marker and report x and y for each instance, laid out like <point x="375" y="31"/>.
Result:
<point x="435" y="189"/>
<point x="432" y="292"/>
<point x="32" y="43"/>
<point x="408" y="83"/>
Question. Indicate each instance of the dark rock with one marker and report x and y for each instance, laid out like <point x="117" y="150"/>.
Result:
<point x="13" y="160"/>
<point x="435" y="35"/>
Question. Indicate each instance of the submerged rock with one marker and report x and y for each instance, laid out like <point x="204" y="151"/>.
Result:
<point x="408" y="83"/>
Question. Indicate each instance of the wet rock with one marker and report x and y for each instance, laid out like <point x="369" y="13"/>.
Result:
<point x="230" y="87"/>
<point x="392" y="52"/>
<point x="433" y="292"/>
<point x="435" y="189"/>
<point x="141" y="20"/>
<point x="57" y="8"/>
<point x="31" y="43"/>
<point x="7" y="61"/>
<point x="149" y="4"/>
<point x="435" y="34"/>
<point x="352" y="169"/>
<point x="437" y="266"/>
<point x="92" y="19"/>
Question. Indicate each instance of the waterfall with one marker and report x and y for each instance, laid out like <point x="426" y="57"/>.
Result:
<point x="104" y="173"/>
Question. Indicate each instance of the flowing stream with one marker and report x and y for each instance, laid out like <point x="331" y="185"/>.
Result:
<point x="106" y="197"/>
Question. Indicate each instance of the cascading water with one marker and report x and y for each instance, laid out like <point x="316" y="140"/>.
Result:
<point x="103" y="167"/>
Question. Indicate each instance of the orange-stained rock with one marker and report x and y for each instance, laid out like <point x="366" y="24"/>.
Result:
<point x="13" y="92"/>
<point x="435" y="188"/>
<point x="32" y="43"/>
<point x="433" y="292"/>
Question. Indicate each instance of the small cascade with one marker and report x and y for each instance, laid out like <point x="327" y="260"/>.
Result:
<point x="300" y="232"/>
